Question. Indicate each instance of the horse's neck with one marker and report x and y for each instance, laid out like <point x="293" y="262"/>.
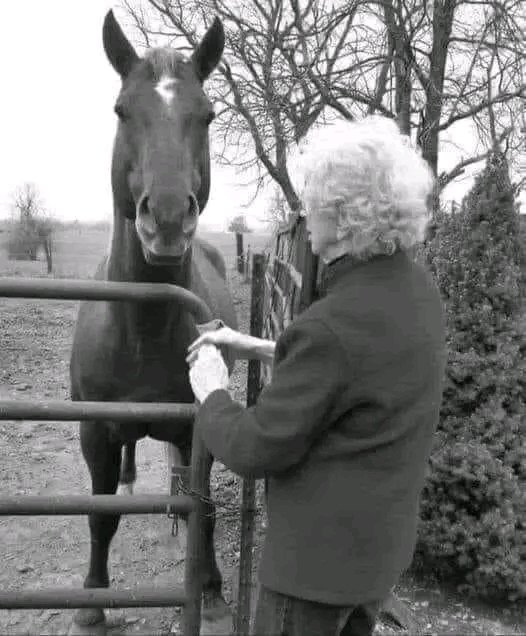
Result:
<point x="143" y="324"/>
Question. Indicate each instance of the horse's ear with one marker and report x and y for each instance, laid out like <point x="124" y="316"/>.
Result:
<point x="120" y="52"/>
<point x="209" y="51"/>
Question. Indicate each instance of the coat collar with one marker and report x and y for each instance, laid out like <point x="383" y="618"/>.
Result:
<point x="344" y="266"/>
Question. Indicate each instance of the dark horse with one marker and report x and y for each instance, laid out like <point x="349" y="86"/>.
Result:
<point x="136" y="352"/>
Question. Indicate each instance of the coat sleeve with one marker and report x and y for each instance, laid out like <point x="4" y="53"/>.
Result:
<point x="295" y="408"/>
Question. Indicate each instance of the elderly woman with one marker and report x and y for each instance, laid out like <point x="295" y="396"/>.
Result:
<point x="344" y="430"/>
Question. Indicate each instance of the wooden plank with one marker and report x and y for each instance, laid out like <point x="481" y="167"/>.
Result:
<point x="271" y="332"/>
<point x="292" y="271"/>
<point x="266" y="373"/>
<point x="277" y="328"/>
<point x="267" y="331"/>
<point x="272" y="286"/>
<point x="279" y="306"/>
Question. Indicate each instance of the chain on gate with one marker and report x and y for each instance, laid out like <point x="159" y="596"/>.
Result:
<point x="180" y="486"/>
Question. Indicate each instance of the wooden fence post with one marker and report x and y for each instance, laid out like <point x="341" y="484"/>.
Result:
<point x="248" y="501"/>
<point x="239" y="250"/>
<point x="248" y="257"/>
<point x="308" y="264"/>
<point x="48" y="249"/>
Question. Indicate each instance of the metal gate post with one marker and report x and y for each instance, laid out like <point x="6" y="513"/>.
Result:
<point x="195" y="537"/>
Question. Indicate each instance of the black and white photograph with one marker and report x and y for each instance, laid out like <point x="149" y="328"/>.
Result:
<point x="263" y="317"/>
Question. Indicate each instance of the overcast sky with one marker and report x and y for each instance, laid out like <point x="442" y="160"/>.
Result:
<point x="56" y="115"/>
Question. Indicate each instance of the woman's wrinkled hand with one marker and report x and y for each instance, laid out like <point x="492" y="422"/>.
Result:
<point x="224" y="337"/>
<point x="208" y="372"/>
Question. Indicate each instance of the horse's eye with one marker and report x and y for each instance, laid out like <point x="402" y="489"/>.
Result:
<point x="120" y="111"/>
<point x="210" y="118"/>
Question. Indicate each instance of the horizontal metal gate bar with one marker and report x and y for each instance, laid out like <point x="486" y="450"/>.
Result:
<point x="73" y="289"/>
<point x="64" y="598"/>
<point x="115" y="411"/>
<point x="84" y="504"/>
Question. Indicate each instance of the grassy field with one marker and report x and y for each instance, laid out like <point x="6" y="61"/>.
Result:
<point x="77" y="252"/>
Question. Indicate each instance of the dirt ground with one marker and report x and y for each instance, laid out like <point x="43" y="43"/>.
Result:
<point x="44" y="458"/>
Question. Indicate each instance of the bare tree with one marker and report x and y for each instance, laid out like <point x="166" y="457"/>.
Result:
<point x="238" y="224"/>
<point x="432" y="64"/>
<point x="293" y="64"/>
<point x="27" y="205"/>
<point x="32" y="228"/>
<point x="277" y="213"/>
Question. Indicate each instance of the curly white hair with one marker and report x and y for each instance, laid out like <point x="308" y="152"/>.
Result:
<point x="369" y="173"/>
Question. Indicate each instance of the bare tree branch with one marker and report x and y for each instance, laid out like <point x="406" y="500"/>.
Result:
<point x="292" y="64"/>
<point x="445" y="178"/>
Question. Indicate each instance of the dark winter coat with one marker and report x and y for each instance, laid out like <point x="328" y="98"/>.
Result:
<point x="343" y="432"/>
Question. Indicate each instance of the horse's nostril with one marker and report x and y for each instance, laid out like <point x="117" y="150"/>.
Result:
<point x="191" y="216"/>
<point x="193" y="207"/>
<point x="144" y="208"/>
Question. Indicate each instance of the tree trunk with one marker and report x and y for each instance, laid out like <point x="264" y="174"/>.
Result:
<point x="402" y="67"/>
<point x="442" y="24"/>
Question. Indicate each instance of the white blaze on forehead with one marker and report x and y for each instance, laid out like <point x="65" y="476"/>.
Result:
<point x="165" y="87"/>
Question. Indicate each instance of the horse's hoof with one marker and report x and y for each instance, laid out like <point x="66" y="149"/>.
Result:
<point x="125" y="489"/>
<point x="88" y="630"/>
<point x="88" y="621"/>
<point x="220" y="627"/>
<point x="214" y="607"/>
<point x="216" y="617"/>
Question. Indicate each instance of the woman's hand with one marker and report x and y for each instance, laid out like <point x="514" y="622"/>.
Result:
<point x="224" y="337"/>
<point x="208" y="372"/>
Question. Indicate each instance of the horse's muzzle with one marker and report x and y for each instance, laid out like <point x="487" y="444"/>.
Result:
<point x="165" y="241"/>
<point x="165" y="258"/>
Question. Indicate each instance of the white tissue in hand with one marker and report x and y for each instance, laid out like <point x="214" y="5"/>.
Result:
<point x="209" y="354"/>
<point x="208" y="372"/>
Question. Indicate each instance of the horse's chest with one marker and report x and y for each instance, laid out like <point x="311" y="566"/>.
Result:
<point x="159" y="374"/>
<point x="152" y="375"/>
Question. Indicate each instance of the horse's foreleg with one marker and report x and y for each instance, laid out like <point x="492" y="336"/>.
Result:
<point x="128" y="473"/>
<point x="102" y="456"/>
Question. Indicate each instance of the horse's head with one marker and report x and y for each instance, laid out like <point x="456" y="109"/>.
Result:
<point x="160" y="169"/>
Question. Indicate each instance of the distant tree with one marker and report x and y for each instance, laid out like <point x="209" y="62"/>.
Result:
<point x="32" y="228"/>
<point x="238" y="224"/>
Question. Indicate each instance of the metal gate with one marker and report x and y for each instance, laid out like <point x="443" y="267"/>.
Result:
<point x="187" y="595"/>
